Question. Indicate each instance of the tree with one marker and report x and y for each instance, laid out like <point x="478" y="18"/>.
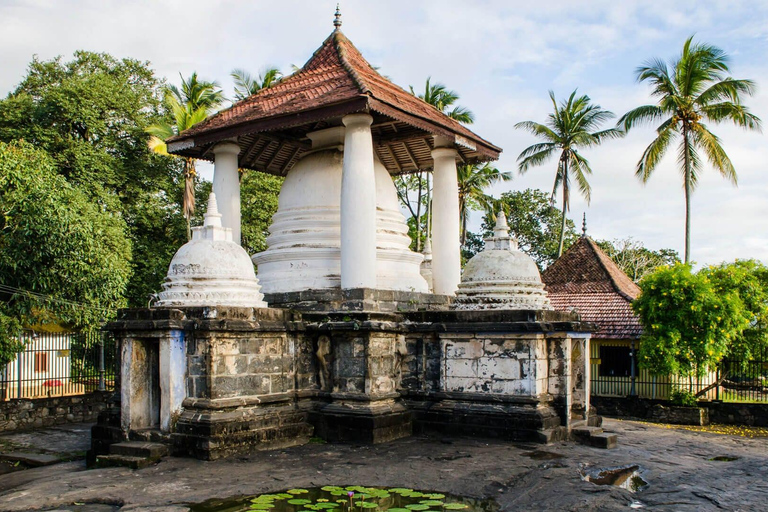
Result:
<point x="89" y="114"/>
<point x="473" y="180"/>
<point x="258" y="198"/>
<point x="188" y="105"/>
<point x="688" y="323"/>
<point x="634" y="259"/>
<point x="444" y="101"/>
<point x="570" y="127"/>
<point x="246" y="85"/>
<point x="534" y="222"/>
<point x="691" y="89"/>
<point x="749" y="279"/>
<point x="63" y="259"/>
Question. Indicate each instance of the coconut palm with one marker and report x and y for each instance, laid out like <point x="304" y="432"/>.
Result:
<point x="693" y="88"/>
<point x="188" y="105"/>
<point x="569" y="127"/>
<point x="443" y="99"/>
<point x="474" y="179"/>
<point x="247" y="85"/>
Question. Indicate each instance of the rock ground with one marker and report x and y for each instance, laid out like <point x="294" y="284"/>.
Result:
<point x="674" y="462"/>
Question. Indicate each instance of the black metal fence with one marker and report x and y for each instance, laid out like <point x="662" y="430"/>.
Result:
<point x="732" y="381"/>
<point x="58" y="364"/>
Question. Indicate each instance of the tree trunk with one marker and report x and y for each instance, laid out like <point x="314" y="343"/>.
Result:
<point x="418" y="215"/>
<point x="188" y="201"/>
<point x="687" y="179"/>
<point x="565" y="207"/>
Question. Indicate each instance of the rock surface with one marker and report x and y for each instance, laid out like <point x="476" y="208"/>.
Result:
<point x="675" y="463"/>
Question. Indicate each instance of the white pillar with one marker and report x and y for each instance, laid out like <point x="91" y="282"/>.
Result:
<point x="446" y="251"/>
<point x="226" y="186"/>
<point x="173" y="383"/>
<point x="358" y="205"/>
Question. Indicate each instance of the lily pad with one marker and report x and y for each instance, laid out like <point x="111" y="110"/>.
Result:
<point x="398" y="510"/>
<point x="417" y="506"/>
<point x="431" y="503"/>
<point x="299" y="501"/>
<point x="435" y="496"/>
<point x="323" y="506"/>
<point x="367" y="504"/>
<point x="262" y="506"/>
<point x="455" y="506"/>
<point x="329" y="488"/>
<point x="297" y="491"/>
<point x="400" y="490"/>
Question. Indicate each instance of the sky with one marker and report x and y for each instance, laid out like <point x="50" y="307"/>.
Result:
<point x="502" y="57"/>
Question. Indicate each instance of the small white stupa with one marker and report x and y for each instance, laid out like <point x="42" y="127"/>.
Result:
<point x="211" y="269"/>
<point x="501" y="276"/>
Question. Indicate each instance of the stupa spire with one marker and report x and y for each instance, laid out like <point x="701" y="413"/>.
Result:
<point x="212" y="216"/>
<point x="501" y="239"/>
<point x="337" y="18"/>
<point x="584" y="225"/>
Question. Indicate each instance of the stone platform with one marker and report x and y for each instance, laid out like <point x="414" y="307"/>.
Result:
<point x="227" y="380"/>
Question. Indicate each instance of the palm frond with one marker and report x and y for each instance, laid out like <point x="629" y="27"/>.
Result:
<point x="654" y="153"/>
<point x="715" y="153"/>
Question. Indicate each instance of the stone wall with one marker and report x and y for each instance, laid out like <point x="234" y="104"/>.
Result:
<point x="26" y="414"/>
<point x="718" y="412"/>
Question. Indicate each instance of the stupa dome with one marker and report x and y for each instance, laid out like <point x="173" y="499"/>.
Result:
<point x="501" y="276"/>
<point x="304" y="245"/>
<point x="211" y="269"/>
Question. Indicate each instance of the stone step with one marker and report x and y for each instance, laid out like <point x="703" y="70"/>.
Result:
<point x="128" y="461"/>
<point x="552" y="435"/>
<point x="585" y="432"/>
<point x="151" y="435"/>
<point x="604" y="440"/>
<point x="30" y="459"/>
<point x="153" y="451"/>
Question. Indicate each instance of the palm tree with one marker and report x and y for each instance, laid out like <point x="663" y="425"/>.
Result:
<point x="691" y="89"/>
<point x="246" y="85"/>
<point x="473" y="180"/>
<point x="571" y="126"/>
<point x="189" y="105"/>
<point x="443" y="99"/>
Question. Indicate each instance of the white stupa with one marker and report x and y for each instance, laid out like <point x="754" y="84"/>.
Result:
<point x="501" y="276"/>
<point x="211" y="269"/>
<point x="304" y="242"/>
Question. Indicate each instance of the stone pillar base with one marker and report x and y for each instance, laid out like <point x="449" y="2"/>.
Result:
<point x="523" y="419"/>
<point x="368" y="422"/>
<point x="211" y="429"/>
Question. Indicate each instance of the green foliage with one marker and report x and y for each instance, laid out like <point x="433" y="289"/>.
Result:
<point x="689" y="322"/>
<point x="535" y="223"/>
<point x="749" y="280"/>
<point x="90" y="115"/>
<point x="10" y="341"/>
<point x="473" y="180"/>
<point x="683" y="398"/>
<point x="691" y="89"/>
<point x="258" y="199"/>
<point x="66" y="259"/>
<point x="636" y="260"/>
<point x="443" y="99"/>
<point x="572" y="125"/>
<point x="247" y="85"/>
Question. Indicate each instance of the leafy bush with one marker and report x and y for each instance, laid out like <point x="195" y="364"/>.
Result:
<point x="683" y="397"/>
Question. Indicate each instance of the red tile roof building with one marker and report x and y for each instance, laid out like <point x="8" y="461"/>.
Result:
<point x="584" y="278"/>
<point x="271" y="125"/>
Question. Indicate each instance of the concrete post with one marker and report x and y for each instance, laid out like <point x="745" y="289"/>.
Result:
<point x="358" y="205"/>
<point x="446" y="251"/>
<point x="226" y="186"/>
<point x="173" y="382"/>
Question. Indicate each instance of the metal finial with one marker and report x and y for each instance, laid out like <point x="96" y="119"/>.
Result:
<point x="337" y="18"/>
<point x="584" y="225"/>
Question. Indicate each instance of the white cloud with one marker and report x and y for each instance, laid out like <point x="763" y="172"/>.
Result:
<point x="501" y="56"/>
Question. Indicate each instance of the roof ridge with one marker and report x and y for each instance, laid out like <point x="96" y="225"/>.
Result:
<point x="610" y="267"/>
<point x="338" y="38"/>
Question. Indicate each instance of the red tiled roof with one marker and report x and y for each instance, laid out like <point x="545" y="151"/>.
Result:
<point x="336" y="73"/>
<point x="586" y="279"/>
